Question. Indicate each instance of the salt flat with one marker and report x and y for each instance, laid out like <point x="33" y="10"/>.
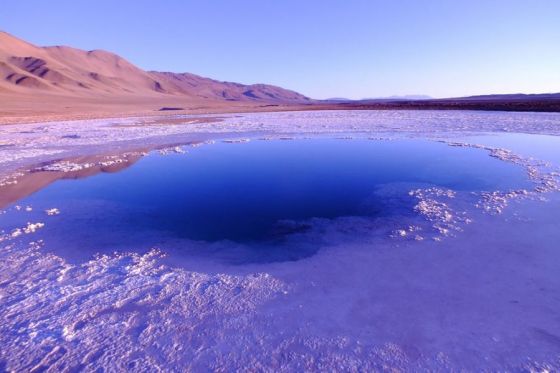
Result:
<point x="468" y="281"/>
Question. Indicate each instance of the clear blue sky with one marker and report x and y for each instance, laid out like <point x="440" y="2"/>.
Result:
<point x="323" y="48"/>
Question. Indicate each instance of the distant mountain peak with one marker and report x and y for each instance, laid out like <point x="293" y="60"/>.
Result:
<point x="400" y="97"/>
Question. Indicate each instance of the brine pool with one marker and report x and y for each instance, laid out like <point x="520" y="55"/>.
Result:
<point x="257" y="201"/>
<point x="347" y="241"/>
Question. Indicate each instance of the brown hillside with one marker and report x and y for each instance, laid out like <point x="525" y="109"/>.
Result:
<point x="61" y="78"/>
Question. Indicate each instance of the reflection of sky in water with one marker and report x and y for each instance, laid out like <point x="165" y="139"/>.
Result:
<point x="542" y="147"/>
<point x="257" y="193"/>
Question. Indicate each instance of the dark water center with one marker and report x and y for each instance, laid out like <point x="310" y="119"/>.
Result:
<point x="254" y="192"/>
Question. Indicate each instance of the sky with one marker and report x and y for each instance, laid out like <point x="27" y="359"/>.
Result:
<point x="328" y="48"/>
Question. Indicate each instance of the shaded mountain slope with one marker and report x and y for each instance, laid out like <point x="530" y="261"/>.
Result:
<point x="26" y="69"/>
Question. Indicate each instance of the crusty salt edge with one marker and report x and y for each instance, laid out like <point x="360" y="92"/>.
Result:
<point x="434" y="203"/>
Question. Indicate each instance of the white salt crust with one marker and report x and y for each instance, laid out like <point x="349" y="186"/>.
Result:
<point x="131" y="312"/>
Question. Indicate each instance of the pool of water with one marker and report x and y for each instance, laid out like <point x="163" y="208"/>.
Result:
<point x="256" y="194"/>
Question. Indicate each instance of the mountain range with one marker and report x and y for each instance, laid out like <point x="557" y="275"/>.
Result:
<point x="62" y="74"/>
<point x="66" y="82"/>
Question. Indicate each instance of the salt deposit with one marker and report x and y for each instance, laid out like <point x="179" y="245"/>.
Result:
<point x="469" y="282"/>
<point x="544" y="176"/>
<point x="53" y="211"/>
<point x="233" y="141"/>
<point x="32" y="227"/>
<point x="171" y="150"/>
<point x="65" y="166"/>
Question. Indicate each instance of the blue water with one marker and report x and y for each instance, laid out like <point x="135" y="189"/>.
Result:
<point x="255" y="193"/>
<point x="541" y="147"/>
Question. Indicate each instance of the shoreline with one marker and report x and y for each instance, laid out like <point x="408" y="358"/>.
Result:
<point x="48" y="140"/>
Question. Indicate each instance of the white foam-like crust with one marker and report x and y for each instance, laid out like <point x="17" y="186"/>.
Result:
<point x="544" y="176"/>
<point x="107" y="311"/>
<point x="172" y="150"/>
<point x="53" y="211"/>
<point x="106" y="161"/>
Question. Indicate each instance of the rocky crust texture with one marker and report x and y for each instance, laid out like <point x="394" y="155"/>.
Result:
<point x="469" y="282"/>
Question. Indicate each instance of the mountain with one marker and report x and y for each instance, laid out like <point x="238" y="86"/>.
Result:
<point x="28" y="71"/>
<point x="399" y="98"/>
<point x="512" y="97"/>
<point x="207" y="88"/>
<point x="60" y="82"/>
<point x="337" y="99"/>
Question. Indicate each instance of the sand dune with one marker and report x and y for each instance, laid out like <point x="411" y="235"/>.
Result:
<point x="60" y="78"/>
